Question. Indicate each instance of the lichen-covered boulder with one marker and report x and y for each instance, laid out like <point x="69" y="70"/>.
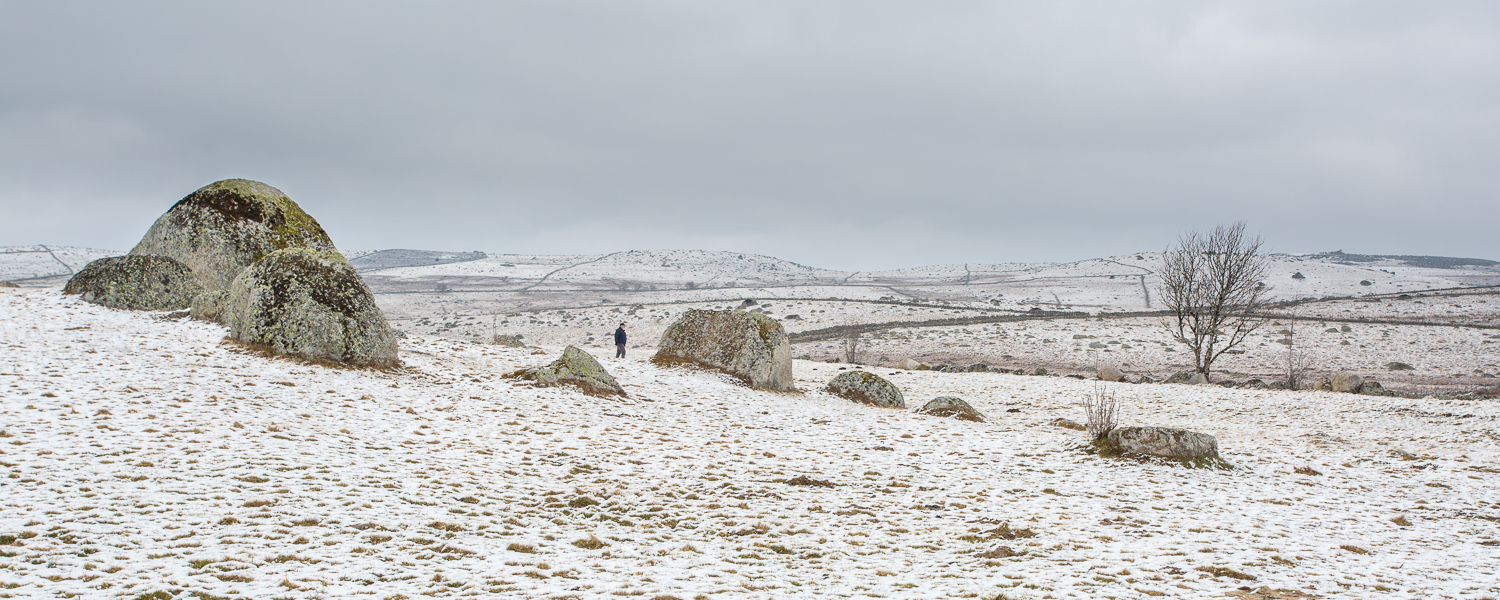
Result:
<point x="867" y="388"/>
<point x="577" y="368"/>
<point x="750" y="346"/>
<point x="949" y="406"/>
<point x="225" y="226"/>
<point x="1176" y="444"/>
<point x="209" y="306"/>
<point x="136" y="283"/>
<point x="310" y="304"/>
<point x="1345" y="381"/>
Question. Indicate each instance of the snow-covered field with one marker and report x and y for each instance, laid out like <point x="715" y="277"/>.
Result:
<point x="144" y="455"/>
<point x="1440" y="316"/>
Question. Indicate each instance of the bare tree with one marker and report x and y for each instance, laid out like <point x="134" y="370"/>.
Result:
<point x="1101" y="412"/>
<point x="1212" y="287"/>
<point x="1298" y="365"/>
<point x="850" y="341"/>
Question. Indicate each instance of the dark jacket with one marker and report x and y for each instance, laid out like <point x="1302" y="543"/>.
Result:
<point x="620" y="335"/>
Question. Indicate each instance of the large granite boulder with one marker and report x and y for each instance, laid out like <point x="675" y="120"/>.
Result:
<point x="209" y="306"/>
<point x="867" y="388"/>
<point x="136" y="283"/>
<point x="1189" y="447"/>
<point x="750" y="346"/>
<point x="577" y="368"/>
<point x="1345" y="381"/>
<point x="310" y="304"/>
<point x="949" y="406"/>
<point x="225" y="226"/>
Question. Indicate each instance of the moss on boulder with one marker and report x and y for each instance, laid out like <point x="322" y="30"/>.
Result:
<point x="310" y="304"/>
<point x="949" y="406"/>
<point x="136" y="283"/>
<point x="577" y="368"/>
<point x="750" y="346"/>
<point x="227" y="225"/>
<point x="867" y="388"/>
<point x="209" y="306"/>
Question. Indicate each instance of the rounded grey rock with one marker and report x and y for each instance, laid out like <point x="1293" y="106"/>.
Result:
<point x="867" y="388"/>
<point x="1345" y="381"/>
<point x="750" y="346"/>
<point x="310" y="304"/>
<point x="136" y="283"/>
<point x="949" y="406"/>
<point x="227" y="225"/>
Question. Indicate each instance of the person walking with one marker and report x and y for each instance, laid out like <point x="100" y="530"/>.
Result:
<point x="620" y="341"/>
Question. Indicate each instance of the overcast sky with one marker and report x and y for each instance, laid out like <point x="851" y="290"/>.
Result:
<point x="850" y="135"/>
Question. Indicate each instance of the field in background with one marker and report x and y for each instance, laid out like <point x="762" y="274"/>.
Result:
<point x="1439" y="315"/>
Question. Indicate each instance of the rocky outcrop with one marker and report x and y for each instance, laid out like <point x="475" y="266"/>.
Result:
<point x="1188" y="447"/>
<point x="209" y="306"/>
<point x="750" y="346"/>
<point x="949" y="406"/>
<point x="1345" y="381"/>
<point x="1110" y="373"/>
<point x="136" y="283"/>
<point x="576" y="368"/>
<point x="310" y="304"/>
<point x="866" y="388"/>
<point x="225" y="226"/>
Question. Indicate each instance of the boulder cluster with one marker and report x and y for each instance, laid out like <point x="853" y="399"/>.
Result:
<point x="243" y="254"/>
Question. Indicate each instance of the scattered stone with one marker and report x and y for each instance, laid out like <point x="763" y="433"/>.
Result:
<point x="1146" y="379"/>
<point x="1110" y="373"/>
<point x="1372" y="388"/>
<point x="1399" y="366"/>
<point x="310" y="304"/>
<point x="1067" y="424"/>
<point x="803" y="480"/>
<point x="748" y="303"/>
<point x="1000" y="552"/>
<point x="577" y="368"/>
<point x="1180" y="377"/>
<point x="510" y="341"/>
<point x="8" y="284"/>
<point x="867" y="388"/>
<point x="979" y="368"/>
<point x="750" y="346"/>
<point x="1189" y="447"/>
<point x="209" y="306"/>
<point x="1298" y="275"/>
<point x="1366" y="282"/>
<point x="1345" y="381"/>
<point x="949" y="406"/>
<point x="1040" y="371"/>
<point x="1266" y="593"/>
<point x="908" y="364"/>
<point x="227" y="225"/>
<point x="136" y="283"/>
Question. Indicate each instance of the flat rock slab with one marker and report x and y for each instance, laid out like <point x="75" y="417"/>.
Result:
<point x="867" y="388"/>
<point x="577" y="368"/>
<point x="950" y="406"/>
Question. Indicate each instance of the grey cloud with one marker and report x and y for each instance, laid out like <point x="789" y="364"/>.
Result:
<point x="856" y="135"/>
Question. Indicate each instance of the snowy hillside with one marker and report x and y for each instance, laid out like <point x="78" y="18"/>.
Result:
<point x="146" y="456"/>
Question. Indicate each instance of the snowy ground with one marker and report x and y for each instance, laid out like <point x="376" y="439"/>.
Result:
<point x="1440" y="316"/>
<point x="144" y="455"/>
